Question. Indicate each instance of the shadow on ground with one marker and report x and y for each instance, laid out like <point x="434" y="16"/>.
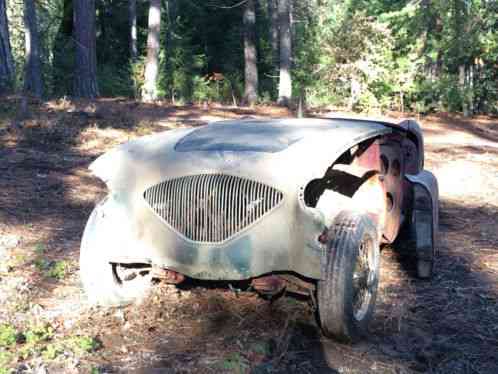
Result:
<point x="446" y="325"/>
<point x="483" y="128"/>
<point x="46" y="191"/>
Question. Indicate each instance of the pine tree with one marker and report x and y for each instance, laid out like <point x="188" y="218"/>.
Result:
<point x="7" y="72"/>
<point x="85" y="77"/>
<point x="32" y="74"/>
<point x="149" y="92"/>
<point x="132" y="17"/>
<point x="285" y="81"/>
<point x="250" y="54"/>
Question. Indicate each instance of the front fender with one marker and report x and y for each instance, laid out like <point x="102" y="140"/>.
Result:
<point x="109" y="225"/>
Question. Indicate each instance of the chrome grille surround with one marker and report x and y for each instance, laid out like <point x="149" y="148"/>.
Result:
<point x="211" y="208"/>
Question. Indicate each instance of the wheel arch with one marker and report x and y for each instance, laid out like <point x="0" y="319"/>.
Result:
<point x="352" y="182"/>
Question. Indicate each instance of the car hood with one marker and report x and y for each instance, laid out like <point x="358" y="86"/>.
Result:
<point x="284" y="153"/>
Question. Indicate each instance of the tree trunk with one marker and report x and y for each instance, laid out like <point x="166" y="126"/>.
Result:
<point x="132" y="17"/>
<point x="285" y="82"/>
<point x="250" y="54"/>
<point x="149" y="92"/>
<point x="32" y="74"/>
<point x="85" y="77"/>
<point x="102" y="24"/>
<point x="7" y="72"/>
<point x="171" y="12"/>
<point x="463" y="89"/>
<point x="62" y="76"/>
<point x="355" y="92"/>
<point x="273" y="14"/>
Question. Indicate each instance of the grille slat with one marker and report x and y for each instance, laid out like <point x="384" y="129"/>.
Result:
<point x="211" y="207"/>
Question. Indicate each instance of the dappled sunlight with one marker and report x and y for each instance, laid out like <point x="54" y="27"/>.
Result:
<point x="94" y="138"/>
<point x="47" y="194"/>
<point x="461" y="178"/>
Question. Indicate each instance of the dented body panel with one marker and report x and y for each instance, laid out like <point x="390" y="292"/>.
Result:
<point x="285" y="155"/>
<point x="425" y="211"/>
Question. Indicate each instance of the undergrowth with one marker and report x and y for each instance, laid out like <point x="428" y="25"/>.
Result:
<point x="40" y="341"/>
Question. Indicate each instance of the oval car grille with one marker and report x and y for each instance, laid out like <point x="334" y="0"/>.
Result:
<point x="211" y="207"/>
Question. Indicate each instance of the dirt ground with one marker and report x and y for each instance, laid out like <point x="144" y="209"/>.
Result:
<point x="446" y="325"/>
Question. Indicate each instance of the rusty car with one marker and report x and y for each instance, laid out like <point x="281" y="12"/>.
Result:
<point x="297" y="204"/>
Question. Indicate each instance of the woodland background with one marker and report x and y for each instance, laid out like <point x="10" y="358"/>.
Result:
<point x="406" y="55"/>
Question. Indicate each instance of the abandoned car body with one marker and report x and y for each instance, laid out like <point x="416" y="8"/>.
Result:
<point x="304" y="203"/>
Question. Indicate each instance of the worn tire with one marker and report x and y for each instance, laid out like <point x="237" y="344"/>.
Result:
<point x="337" y="291"/>
<point x="98" y="276"/>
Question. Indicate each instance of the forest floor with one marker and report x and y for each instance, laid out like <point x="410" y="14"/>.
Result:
<point x="446" y="325"/>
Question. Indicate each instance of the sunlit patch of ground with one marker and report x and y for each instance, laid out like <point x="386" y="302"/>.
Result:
<point x="446" y="325"/>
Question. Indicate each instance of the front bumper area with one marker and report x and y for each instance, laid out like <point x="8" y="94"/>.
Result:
<point x="135" y="234"/>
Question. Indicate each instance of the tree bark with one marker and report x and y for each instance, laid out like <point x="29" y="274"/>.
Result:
<point x="462" y="82"/>
<point x="273" y="14"/>
<point x="285" y="81"/>
<point x="250" y="54"/>
<point x="7" y="72"/>
<point x="102" y="24"/>
<point x="32" y="74"/>
<point x="85" y="77"/>
<point x="171" y="14"/>
<point x="63" y="54"/>
<point x="132" y="17"/>
<point x="149" y="92"/>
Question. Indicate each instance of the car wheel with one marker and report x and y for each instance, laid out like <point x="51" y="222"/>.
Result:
<point x="105" y="283"/>
<point x="348" y="289"/>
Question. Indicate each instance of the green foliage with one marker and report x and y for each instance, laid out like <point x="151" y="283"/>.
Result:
<point x="6" y="359"/>
<point x="38" y="333"/>
<point x="367" y="55"/>
<point x="40" y="248"/>
<point x="52" y="269"/>
<point x="396" y="53"/>
<point x="262" y="348"/>
<point x="58" y="270"/>
<point x="353" y="63"/>
<point x="83" y="344"/>
<point x="117" y="81"/>
<point x="8" y="336"/>
<point x="52" y="351"/>
<point x="235" y="363"/>
<point x="40" y="340"/>
<point x="42" y="264"/>
<point x="367" y="102"/>
<point x="137" y="69"/>
<point x="202" y="89"/>
<point x="35" y="337"/>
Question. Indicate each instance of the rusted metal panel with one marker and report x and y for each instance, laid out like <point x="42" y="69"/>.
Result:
<point x="427" y="197"/>
<point x="414" y="132"/>
<point x="392" y="182"/>
<point x="269" y="284"/>
<point x="168" y="276"/>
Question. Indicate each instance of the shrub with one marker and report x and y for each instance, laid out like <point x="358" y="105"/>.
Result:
<point x="117" y="81"/>
<point x="8" y="336"/>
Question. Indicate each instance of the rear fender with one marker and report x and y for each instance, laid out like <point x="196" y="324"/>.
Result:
<point x="425" y="204"/>
<point x="414" y="132"/>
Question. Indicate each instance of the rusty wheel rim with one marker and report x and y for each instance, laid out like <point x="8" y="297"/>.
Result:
<point x="363" y="279"/>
